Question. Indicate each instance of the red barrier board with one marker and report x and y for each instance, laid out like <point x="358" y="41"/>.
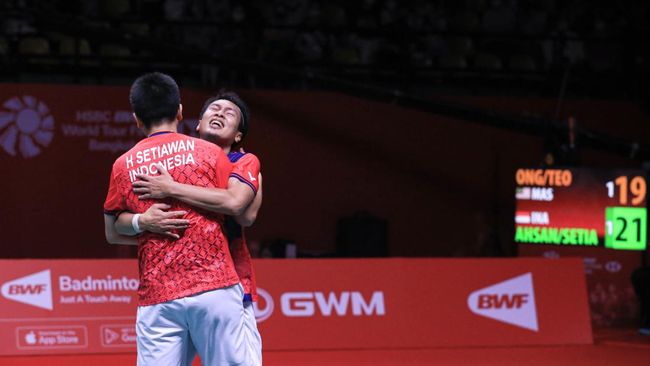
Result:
<point x="88" y="306"/>
<point x="67" y="306"/>
<point x="399" y="303"/>
<point x="608" y="272"/>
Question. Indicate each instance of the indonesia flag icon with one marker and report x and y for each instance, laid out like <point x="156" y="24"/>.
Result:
<point x="522" y="217"/>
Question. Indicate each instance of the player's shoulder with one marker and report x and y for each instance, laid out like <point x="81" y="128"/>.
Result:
<point x="207" y="148"/>
<point x="202" y="143"/>
<point x="196" y="140"/>
<point x="242" y="157"/>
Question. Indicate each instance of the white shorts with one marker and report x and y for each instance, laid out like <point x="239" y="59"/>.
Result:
<point x="210" y="323"/>
<point x="254" y="340"/>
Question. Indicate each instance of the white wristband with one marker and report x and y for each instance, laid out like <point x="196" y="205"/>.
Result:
<point x="134" y="223"/>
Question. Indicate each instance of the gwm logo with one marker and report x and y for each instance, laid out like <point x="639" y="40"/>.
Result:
<point x="308" y="304"/>
<point x="34" y="289"/>
<point x="26" y="126"/>
<point x="511" y="301"/>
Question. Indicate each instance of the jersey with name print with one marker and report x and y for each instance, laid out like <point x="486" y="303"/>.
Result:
<point x="200" y="260"/>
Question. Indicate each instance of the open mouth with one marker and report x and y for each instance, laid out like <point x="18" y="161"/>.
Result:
<point x="216" y="123"/>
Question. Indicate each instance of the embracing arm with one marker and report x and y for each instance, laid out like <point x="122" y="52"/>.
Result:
<point x="155" y="220"/>
<point x="249" y="216"/>
<point x="232" y="201"/>
<point x="113" y="236"/>
<point x="114" y="204"/>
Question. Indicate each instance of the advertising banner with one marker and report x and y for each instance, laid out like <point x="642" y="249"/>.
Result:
<point x="67" y="306"/>
<point x="89" y="306"/>
<point x="608" y="272"/>
<point x="57" y="146"/>
<point x="402" y="303"/>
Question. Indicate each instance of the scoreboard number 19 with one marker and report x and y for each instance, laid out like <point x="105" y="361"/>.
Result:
<point x="636" y="186"/>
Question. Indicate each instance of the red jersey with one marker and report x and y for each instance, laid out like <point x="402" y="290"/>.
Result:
<point x="198" y="261"/>
<point x="246" y="169"/>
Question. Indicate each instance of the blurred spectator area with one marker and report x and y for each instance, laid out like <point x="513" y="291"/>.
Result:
<point x="408" y="43"/>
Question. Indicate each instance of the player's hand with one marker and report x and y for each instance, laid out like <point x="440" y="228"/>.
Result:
<point x="157" y="220"/>
<point x="153" y="186"/>
<point x="241" y="150"/>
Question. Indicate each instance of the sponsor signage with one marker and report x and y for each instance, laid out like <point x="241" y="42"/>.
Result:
<point x="85" y="306"/>
<point x="400" y="303"/>
<point x="66" y="135"/>
<point x="28" y="127"/>
<point x="511" y="301"/>
<point x="306" y="304"/>
<point x="607" y="273"/>
<point x="51" y="337"/>
<point x="65" y="306"/>
<point x="118" y="335"/>
<point x="34" y="289"/>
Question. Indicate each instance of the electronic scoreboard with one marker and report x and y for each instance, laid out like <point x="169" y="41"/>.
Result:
<point x="581" y="207"/>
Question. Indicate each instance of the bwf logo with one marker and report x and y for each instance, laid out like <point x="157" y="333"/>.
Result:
<point x="511" y="301"/>
<point x="514" y="301"/>
<point x="35" y="290"/>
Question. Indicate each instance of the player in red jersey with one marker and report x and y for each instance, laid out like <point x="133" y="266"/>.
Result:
<point x="224" y="120"/>
<point x="189" y="294"/>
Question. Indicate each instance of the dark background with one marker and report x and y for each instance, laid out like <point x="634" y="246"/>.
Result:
<point x="384" y="127"/>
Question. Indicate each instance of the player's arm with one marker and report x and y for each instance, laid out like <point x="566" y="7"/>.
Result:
<point x="113" y="206"/>
<point x="113" y="236"/>
<point x="155" y="220"/>
<point x="249" y="216"/>
<point x="232" y="201"/>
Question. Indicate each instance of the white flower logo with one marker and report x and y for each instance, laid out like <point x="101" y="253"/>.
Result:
<point x="27" y="124"/>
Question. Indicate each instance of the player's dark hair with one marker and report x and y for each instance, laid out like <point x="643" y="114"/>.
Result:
<point x="155" y="98"/>
<point x="244" y="121"/>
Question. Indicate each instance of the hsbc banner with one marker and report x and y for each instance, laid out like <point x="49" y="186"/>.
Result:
<point x="89" y="306"/>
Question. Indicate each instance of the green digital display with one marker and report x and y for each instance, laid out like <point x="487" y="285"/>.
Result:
<point x="626" y="228"/>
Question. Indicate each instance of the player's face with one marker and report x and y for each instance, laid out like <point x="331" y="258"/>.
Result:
<point x="220" y="122"/>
